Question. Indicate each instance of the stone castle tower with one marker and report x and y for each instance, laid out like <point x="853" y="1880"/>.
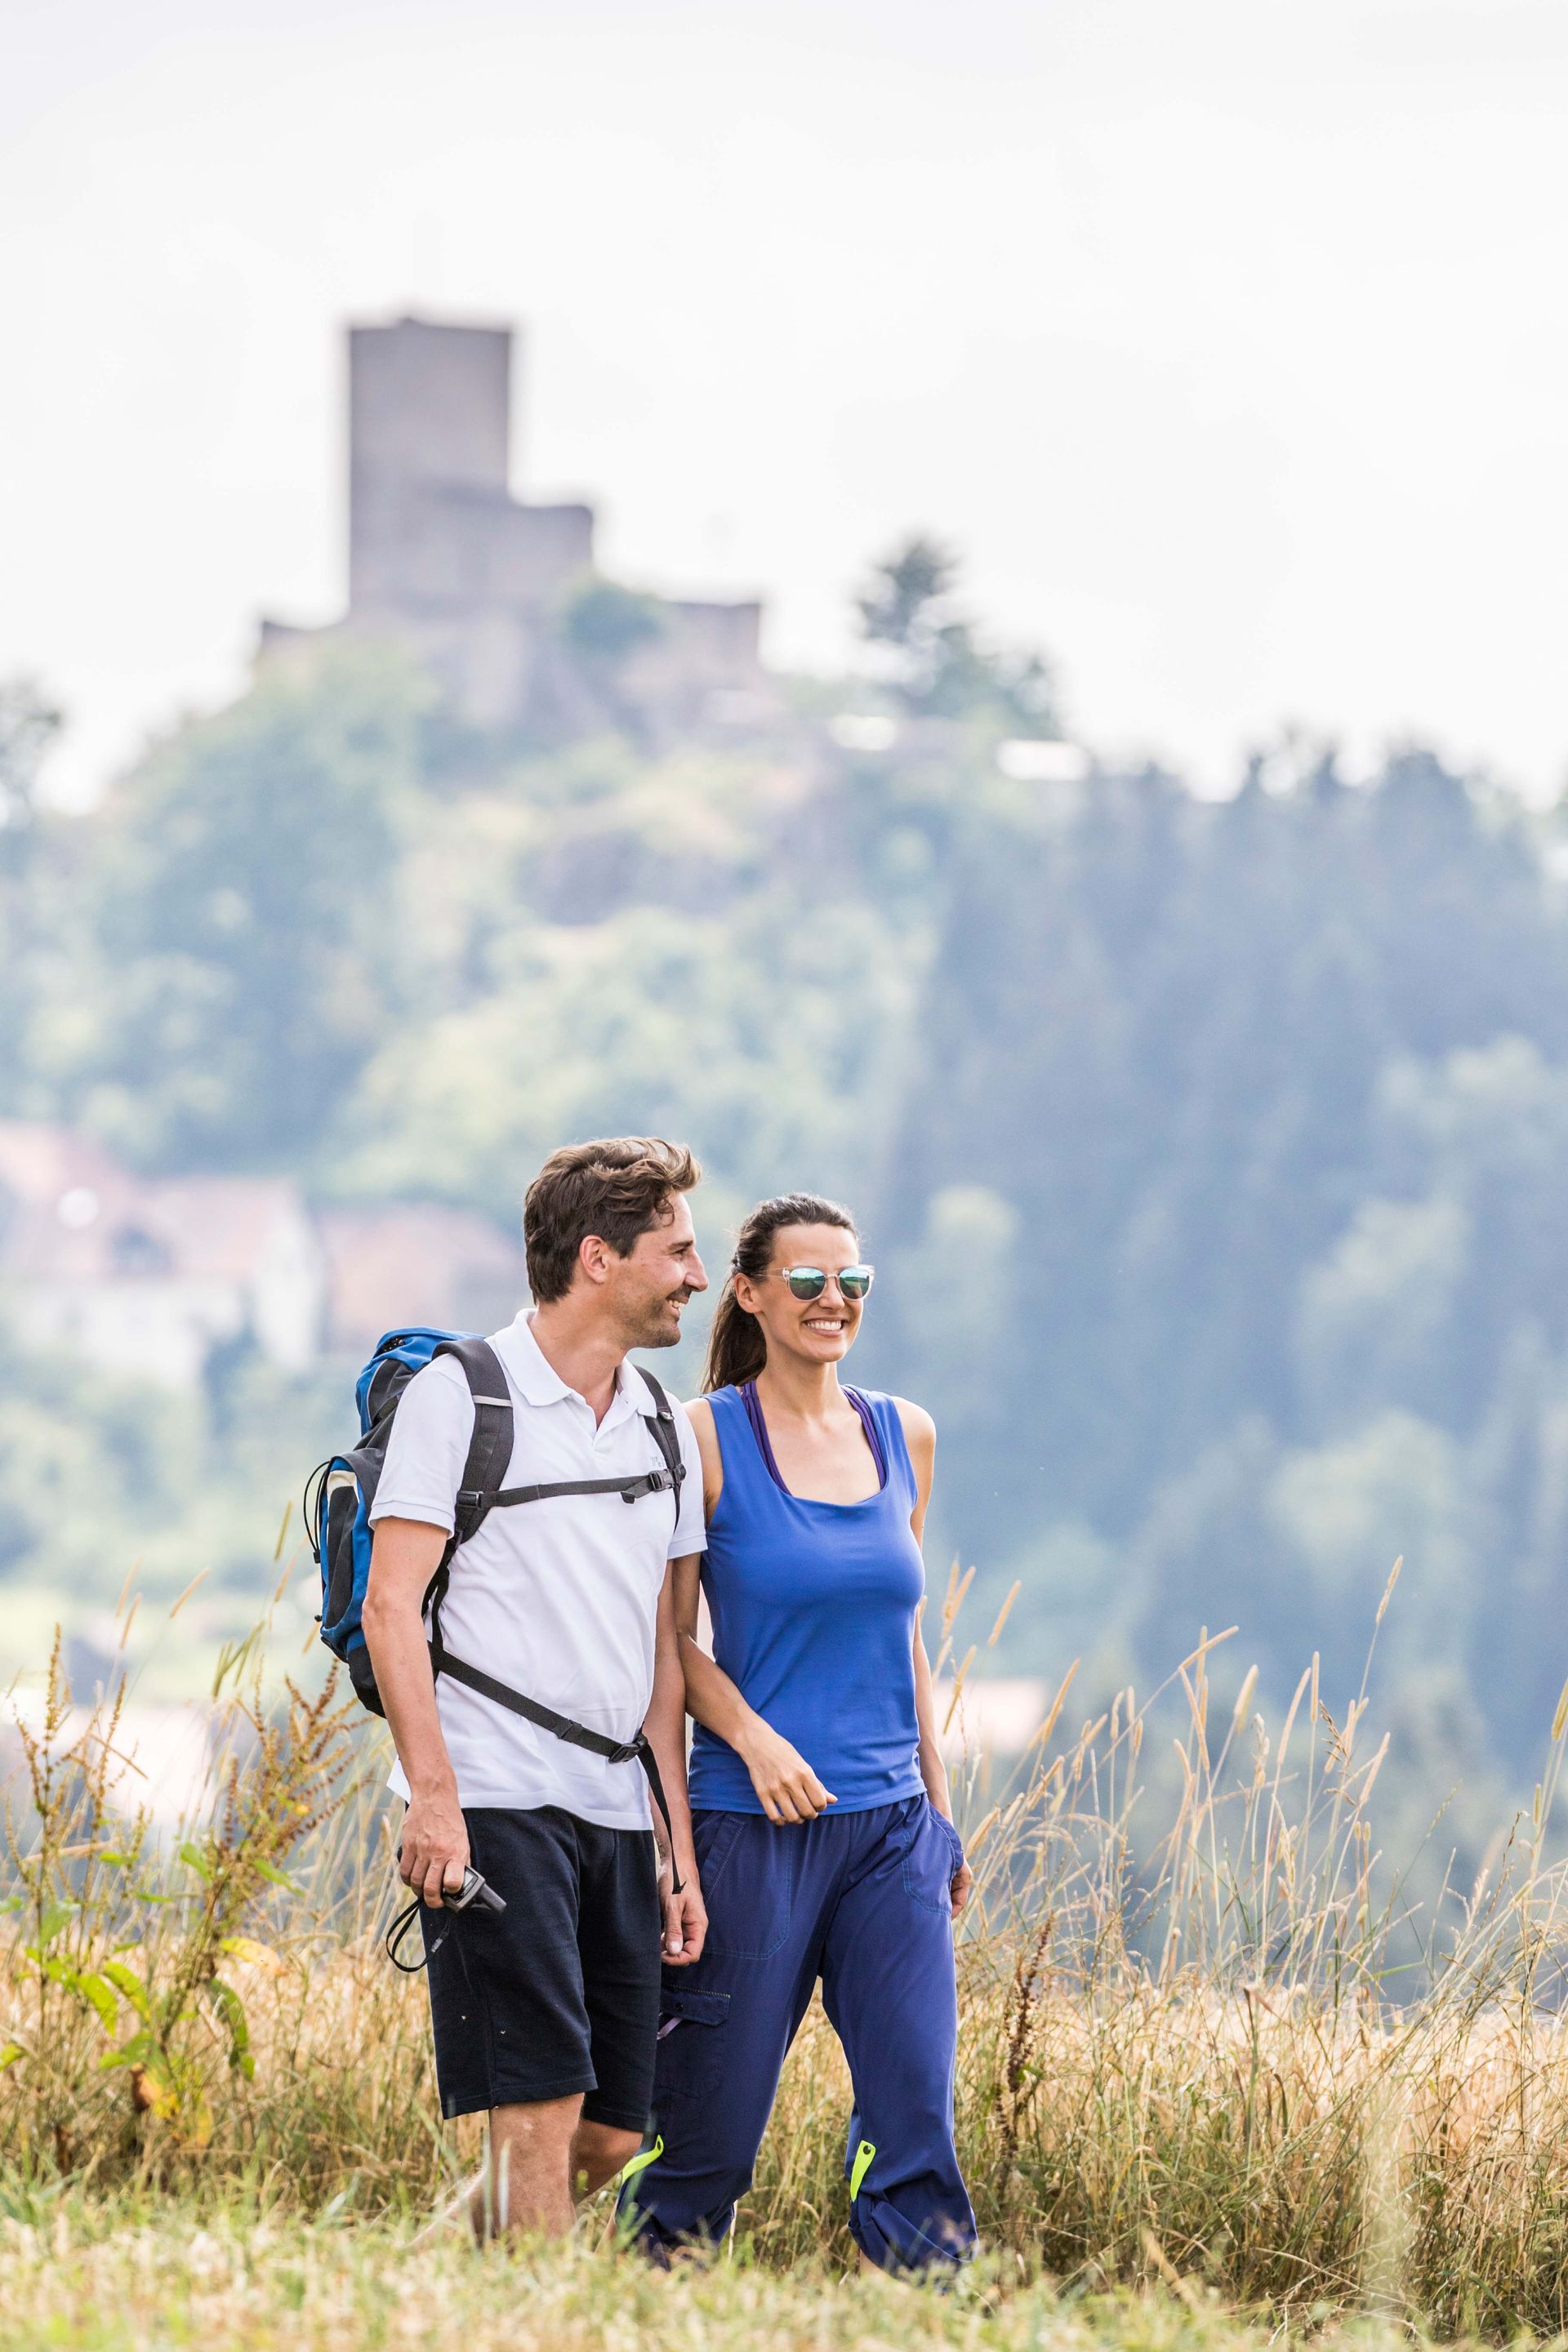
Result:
<point x="444" y="560"/>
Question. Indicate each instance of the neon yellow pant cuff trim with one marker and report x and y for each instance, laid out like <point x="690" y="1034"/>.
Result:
<point x="644" y="2157"/>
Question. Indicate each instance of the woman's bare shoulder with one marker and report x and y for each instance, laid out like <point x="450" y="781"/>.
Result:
<point x="919" y="1428"/>
<point x="700" y="1414"/>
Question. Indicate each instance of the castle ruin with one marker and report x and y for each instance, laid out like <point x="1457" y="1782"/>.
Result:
<point x="494" y="594"/>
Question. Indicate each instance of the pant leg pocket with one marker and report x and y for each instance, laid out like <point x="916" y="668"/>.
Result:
<point x="748" y="1884"/>
<point x="932" y="1859"/>
<point x="689" y="2064"/>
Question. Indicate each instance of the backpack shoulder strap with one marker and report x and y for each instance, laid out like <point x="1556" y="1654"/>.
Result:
<point x="490" y="1456"/>
<point x="489" y="1447"/>
<point x="661" y="1421"/>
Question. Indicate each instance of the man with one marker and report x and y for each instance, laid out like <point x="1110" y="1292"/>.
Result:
<point x="546" y="2016"/>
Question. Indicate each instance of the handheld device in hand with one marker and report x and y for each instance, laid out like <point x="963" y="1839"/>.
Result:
<point x="475" y="1893"/>
<point x="474" y="1889"/>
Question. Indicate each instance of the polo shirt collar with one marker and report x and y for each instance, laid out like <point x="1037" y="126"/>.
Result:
<point x="536" y="1380"/>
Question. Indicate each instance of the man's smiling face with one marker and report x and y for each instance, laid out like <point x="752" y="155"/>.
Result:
<point x="653" y="1283"/>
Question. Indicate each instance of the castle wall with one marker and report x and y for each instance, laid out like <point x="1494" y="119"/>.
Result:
<point x="431" y="403"/>
<point x="420" y="549"/>
<point x="701" y="650"/>
<point x="429" y="409"/>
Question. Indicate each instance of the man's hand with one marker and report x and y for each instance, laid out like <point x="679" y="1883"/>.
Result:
<point x="435" y="1849"/>
<point x="786" y="1787"/>
<point x="685" y="1914"/>
<point x="961" y="1887"/>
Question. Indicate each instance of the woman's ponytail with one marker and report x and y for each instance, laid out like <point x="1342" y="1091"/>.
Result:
<point x="736" y="1348"/>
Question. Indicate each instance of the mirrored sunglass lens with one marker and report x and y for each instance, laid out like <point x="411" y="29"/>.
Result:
<point x="806" y="1282"/>
<point x="855" y="1281"/>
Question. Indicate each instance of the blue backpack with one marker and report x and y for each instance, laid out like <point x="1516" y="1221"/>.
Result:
<point x="341" y="1493"/>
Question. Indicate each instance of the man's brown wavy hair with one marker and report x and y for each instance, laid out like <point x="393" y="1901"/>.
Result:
<point x="618" y="1187"/>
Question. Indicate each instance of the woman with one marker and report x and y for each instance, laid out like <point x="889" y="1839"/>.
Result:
<point x="820" y="1806"/>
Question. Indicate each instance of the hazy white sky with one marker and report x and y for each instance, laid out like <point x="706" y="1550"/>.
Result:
<point x="1227" y="338"/>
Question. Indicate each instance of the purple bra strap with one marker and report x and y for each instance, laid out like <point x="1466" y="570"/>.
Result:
<point x="873" y="1434"/>
<point x="754" y="1405"/>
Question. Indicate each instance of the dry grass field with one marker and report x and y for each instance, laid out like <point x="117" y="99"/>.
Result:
<point x="1188" y="2088"/>
<point x="115" y="2279"/>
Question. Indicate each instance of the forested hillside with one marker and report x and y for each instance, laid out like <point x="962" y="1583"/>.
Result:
<point x="1209" y="1153"/>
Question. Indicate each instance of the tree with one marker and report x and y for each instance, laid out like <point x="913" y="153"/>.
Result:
<point x="28" y="725"/>
<point x="29" y="722"/>
<point x="936" y="665"/>
<point x="604" y="623"/>
<point x="246" y="920"/>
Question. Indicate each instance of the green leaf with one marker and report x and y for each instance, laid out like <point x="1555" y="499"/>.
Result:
<point x="145" y="1895"/>
<point x="120" y="1860"/>
<point x="127" y="1981"/>
<point x="198" y="1862"/>
<point x="92" y="1989"/>
<point x="57" y="1915"/>
<point x="277" y="1878"/>
<point x="245" y="1947"/>
<point x="231" y="2010"/>
<point x="134" y="2053"/>
<point x="12" y="1902"/>
<point x="12" y="2052"/>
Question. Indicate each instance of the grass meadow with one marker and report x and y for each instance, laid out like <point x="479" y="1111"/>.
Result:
<point x="1219" y="2077"/>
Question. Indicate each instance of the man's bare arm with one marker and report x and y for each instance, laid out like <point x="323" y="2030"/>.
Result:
<point x="405" y="1554"/>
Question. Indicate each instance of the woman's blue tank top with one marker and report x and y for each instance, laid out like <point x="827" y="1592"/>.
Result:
<point x="814" y="1608"/>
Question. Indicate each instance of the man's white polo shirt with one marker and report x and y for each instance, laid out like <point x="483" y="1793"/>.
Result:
<point x="555" y="1599"/>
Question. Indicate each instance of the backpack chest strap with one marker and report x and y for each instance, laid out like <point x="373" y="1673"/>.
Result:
<point x="474" y="1505"/>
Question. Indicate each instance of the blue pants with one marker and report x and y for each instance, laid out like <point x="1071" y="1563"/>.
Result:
<point x="861" y="1900"/>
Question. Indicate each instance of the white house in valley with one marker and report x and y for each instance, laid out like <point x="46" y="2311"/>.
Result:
<point x="148" y="1275"/>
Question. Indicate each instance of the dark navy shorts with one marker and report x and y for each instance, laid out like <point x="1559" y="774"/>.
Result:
<point x="559" y="1992"/>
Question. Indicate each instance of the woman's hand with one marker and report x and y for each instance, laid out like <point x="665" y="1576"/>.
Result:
<point x="787" y="1787"/>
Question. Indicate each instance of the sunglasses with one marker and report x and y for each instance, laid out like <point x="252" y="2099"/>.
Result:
<point x="810" y="1282"/>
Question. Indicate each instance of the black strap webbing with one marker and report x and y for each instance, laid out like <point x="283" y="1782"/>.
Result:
<point x="488" y="1458"/>
<point x="576" y="1735"/>
<point x="652" y="1482"/>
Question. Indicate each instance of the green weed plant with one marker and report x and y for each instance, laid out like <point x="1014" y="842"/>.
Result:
<point x="1208" y="2040"/>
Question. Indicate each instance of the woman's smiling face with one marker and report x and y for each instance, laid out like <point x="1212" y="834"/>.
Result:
<point x="821" y="1330"/>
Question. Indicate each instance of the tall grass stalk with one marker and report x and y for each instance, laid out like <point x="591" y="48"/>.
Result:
<point x="1206" y="2035"/>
